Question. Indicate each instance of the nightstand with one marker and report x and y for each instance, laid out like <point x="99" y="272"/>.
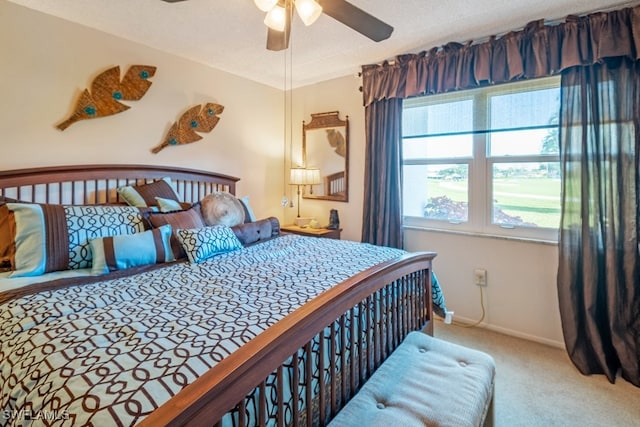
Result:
<point x="313" y="232"/>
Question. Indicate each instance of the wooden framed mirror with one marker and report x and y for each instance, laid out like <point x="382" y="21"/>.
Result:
<point x="325" y="146"/>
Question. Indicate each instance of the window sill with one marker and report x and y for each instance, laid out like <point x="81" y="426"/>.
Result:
<point x="483" y="235"/>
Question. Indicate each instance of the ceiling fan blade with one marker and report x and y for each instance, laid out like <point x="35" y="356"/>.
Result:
<point x="279" y="40"/>
<point x="173" y="1"/>
<point x="356" y="18"/>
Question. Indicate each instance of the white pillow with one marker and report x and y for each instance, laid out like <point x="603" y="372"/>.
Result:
<point x="168" y="205"/>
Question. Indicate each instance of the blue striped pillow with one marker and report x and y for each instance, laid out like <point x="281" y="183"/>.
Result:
<point x="131" y="250"/>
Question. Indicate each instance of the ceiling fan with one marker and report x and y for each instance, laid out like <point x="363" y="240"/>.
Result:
<point x="280" y="13"/>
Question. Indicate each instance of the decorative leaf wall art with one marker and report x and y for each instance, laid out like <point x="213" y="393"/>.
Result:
<point x="196" y="119"/>
<point x="107" y="90"/>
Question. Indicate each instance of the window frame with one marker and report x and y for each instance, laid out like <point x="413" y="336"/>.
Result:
<point x="481" y="163"/>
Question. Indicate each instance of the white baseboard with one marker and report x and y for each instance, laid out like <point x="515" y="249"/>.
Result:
<point x="511" y="332"/>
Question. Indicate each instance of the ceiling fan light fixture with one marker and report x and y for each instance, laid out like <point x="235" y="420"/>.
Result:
<point x="276" y="18"/>
<point x="308" y="10"/>
<point x="265" y="5"/>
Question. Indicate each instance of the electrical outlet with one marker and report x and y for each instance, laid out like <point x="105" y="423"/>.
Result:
<point x="448" y="317"/>
<point x="480" y="277"/>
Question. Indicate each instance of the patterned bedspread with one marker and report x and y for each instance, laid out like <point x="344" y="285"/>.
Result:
<point x="110" y="352"/>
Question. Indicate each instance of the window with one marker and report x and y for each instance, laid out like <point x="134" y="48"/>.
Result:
<point x="484" y="160"/>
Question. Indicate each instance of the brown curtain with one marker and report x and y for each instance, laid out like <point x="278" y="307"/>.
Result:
<point x="538" y="50"/>
<point x="600" y="321"/>
<point x="599" y="265"/>
<point x="382" y="214"/>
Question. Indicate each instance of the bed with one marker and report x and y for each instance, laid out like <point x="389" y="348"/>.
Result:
<point x="264" y="333"/>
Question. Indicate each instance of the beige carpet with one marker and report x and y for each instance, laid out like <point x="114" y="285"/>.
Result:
<point x="537" y="385"/>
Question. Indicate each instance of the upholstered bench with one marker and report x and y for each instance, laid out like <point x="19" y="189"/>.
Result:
<point x="425" y="382"/>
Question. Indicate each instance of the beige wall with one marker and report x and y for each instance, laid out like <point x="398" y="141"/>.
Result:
<point x="47" y="61"/>
<point x="520" y="297"/>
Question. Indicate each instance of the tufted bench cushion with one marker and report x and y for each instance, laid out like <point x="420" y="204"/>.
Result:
<point x="425" y="382"/>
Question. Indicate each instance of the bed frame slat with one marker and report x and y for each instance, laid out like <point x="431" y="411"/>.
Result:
<point x="332" y="367"/>
<point x="308" y="381"/>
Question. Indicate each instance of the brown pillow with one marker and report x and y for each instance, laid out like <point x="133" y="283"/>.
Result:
<point x="145" y="194"/>
<point x="253" y="232"/>
<point x="190" y="218"/>
<point x="7" y="238"/>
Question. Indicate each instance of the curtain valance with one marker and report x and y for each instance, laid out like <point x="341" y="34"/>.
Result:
<point x="538" y="50"/>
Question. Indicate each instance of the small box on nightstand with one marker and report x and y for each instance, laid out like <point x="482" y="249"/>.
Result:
<point x="302" y="221"/>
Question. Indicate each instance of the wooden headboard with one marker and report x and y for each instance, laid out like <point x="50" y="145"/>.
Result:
<point x="97" y="184"/>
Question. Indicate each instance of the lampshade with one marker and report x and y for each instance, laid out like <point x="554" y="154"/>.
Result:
<point x="276" y="18"/>
<point x="265" y="5"/>
<point x="297" y="176"/>
<point x="308" y="10"/>
<point x="302" y="176"/>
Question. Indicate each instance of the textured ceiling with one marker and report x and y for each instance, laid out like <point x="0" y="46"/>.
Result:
<point x="229" y="34"/>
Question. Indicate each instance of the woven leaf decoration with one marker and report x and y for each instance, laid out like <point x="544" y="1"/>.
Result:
<point x="196" y="119"/>
<point x="107" y="90"/>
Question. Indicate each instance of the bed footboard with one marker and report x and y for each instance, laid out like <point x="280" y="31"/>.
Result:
<point x="306" y="367"/>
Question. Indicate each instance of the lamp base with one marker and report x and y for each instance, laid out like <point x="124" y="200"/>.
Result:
<point x="302" y="221"/>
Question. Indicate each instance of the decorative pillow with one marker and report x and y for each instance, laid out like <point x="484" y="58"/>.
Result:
<point x="201" y="244"/>
<point x="168" y="205"/>
<point x="254" y="232"/>
<point x="7" y="238"/>
<point x="145" y="194"/>
<point x="130" y="250"/>
<point x="190" y="218"/>
<point x="56" y="237"/>
<point x="249" y="216"/>
<point x="220" y="208"/>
